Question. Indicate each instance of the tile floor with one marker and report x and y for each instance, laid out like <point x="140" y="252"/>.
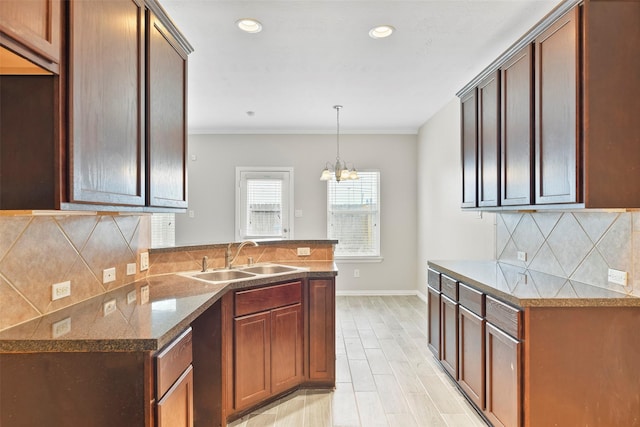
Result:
<point x="385" y="375"/>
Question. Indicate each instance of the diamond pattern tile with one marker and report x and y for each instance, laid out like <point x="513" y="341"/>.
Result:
<point x="10" y="229"/>
<point x="596" y="223"/>
<point x="545" y="261"/>
<point x="615" y="246"/>
<point x="593" y="270"/>
<point x="511" y="220"/>
<point x="15" y="309"/>
<point x="502" y="235"/>
<point x="78" y="228"/>
<point x="528" y="237"/>
<point x="546" y="221"/>
<point x="569" y="243"/>
<point x="41" y="257"/>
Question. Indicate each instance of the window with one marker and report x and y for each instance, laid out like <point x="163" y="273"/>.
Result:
<point x="263" y="203"/>
<point x="163" y="230"/>
<point x="353" y="215"/>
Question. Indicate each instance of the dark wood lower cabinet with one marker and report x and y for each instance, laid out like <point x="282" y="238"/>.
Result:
<point x="320" y="303"/>
<point x="175" y="409"/>
<point x="287" y="368"/>
<point x="449" y="331"/>
<point x="471" y="372"/>
<point x="252" y="359"/>
<point x="433" y="339"/>
<point x="503" y="376"/>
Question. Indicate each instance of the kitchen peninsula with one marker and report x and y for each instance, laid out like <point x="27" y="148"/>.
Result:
<point x="164" y="350"/>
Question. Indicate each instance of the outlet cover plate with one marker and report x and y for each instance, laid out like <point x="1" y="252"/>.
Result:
<point x="109" y="275"/>
<point x="61" y="327"/>
<point x="522" y="256"/>
<point x="60" y="290"/>
<point x="618" y="277"/>
<point x="131" y="297"/>
<point x="131" y="268"/>
<point x="144" y="294"/>
<point x="109" y="307"/>
<point x="304" y="251"/>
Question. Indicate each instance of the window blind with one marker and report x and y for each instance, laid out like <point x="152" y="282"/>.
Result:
<point x="353" y="215"/>
<point x="264" y="207"/>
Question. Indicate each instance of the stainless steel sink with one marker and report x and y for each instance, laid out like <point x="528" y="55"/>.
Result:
<point x="223" y="275"/>
<point x="269" y="269"/>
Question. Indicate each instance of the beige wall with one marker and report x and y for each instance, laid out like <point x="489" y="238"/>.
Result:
<point x="212" y="195"/>
<point x="444" y="230"/>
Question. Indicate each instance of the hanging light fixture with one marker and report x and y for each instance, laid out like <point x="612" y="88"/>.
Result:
<point x="341" y="171"/>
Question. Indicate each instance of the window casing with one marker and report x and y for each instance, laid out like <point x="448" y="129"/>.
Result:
<point x="353" y="215"/>
<point x="263" y="203"/>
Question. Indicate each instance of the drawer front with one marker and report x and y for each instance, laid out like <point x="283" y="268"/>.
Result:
<point x="471" y="299"/>
<point x="433" y="279"/>
<point x="262" y="299"/>
<point x="504" y="316"/>
<point x="172" y="361"/>
<point x="449" y="287"/>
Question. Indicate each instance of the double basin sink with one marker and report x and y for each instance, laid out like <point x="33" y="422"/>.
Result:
<point x="228" y="275"/>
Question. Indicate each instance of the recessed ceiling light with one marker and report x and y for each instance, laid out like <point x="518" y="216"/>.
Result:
<point x="249" y="25"/>
<point x="381" y="31"/>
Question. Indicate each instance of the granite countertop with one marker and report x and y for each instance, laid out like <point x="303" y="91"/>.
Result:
<point x="506" y="282"/>
<point x="174" y="302"/>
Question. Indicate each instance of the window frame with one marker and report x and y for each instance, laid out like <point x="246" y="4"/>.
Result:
<point x="377" y="257"/>
<point x="241" y="204"/>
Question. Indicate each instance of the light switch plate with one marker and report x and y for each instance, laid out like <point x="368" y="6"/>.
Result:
<point x="131" y="297"/>
<point x="304" y="251"/>
<point x="522" y="256"/>
<point x="144" y="261"/>
<point x="131" y="268"/>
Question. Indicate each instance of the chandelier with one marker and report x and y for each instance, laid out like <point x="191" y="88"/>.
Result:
<point x="340" y="170"/>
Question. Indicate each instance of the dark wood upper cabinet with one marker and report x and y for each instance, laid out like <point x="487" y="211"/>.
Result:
<point x="569" y="101"/>
<point x="104" y="127"/>
<point x="489" y="141"/>
<point x="33" y="29"/>
<point x="469" y="148"/>
<point x="517" y="128"/>
<point x="166" y="117"/>
<point x="556" y="82"/>
<point x="106" y="103"/>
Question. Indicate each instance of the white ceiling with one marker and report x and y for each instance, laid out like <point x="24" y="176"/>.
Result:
<point x="312" y="55"/>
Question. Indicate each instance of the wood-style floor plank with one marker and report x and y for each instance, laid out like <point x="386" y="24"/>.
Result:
<point x="385" y="375"/>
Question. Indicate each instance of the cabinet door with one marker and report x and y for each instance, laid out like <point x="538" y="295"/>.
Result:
<point x="489" y="141"/>
<point x="449" y="335"/>
<point x="469" y="148"/>
<point x="503" y="390"/>
<point x="166" y="120"/>
<point x="106" y="105"/>
<point x="433" y="302"/>
<point x="34" y="30"/>
<point x="517" y="128"/>
<point x="471" y="348"/>
<point x="252" y="359"/>
<point x="557" y="137"/>
<point x="175" y="409"/>
<point x="322" y="341"/>
<point x="287" y="369"/>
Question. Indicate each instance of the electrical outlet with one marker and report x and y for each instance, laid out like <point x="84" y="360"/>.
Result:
<point x="356" y="272"/>
<point x="61" y="327"/>
<point x="304" y="251"/>
<point x="144" y="261"/>
<point x="618" y="277"/>
<point x="60" y="290"/>
<point x="522" y="256"/>
<point x="192" y="214"/>
<point x="109" y="307"/>
<point x="109" y="275"/>
<point x="131" y="268"/>
<point x="144" y="294"/>
<point x="131" y="297"/>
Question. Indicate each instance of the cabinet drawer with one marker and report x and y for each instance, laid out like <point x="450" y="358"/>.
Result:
<point x="504" y="316"/>
<point x="433" y="279"/>
<point x="172" y="361"/>
<point x="449" y="287"/>
<point x="261" y="299"/>
<point x="471" y="299"/>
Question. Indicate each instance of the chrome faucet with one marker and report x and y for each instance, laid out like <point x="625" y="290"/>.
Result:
<point x="204" y="263"/>
<point x="228" y="260"/>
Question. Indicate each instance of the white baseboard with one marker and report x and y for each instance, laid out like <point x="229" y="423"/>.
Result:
<point x="373" y="293"/>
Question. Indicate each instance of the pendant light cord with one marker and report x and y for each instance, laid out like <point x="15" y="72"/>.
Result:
<point x="338" y="107"/>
